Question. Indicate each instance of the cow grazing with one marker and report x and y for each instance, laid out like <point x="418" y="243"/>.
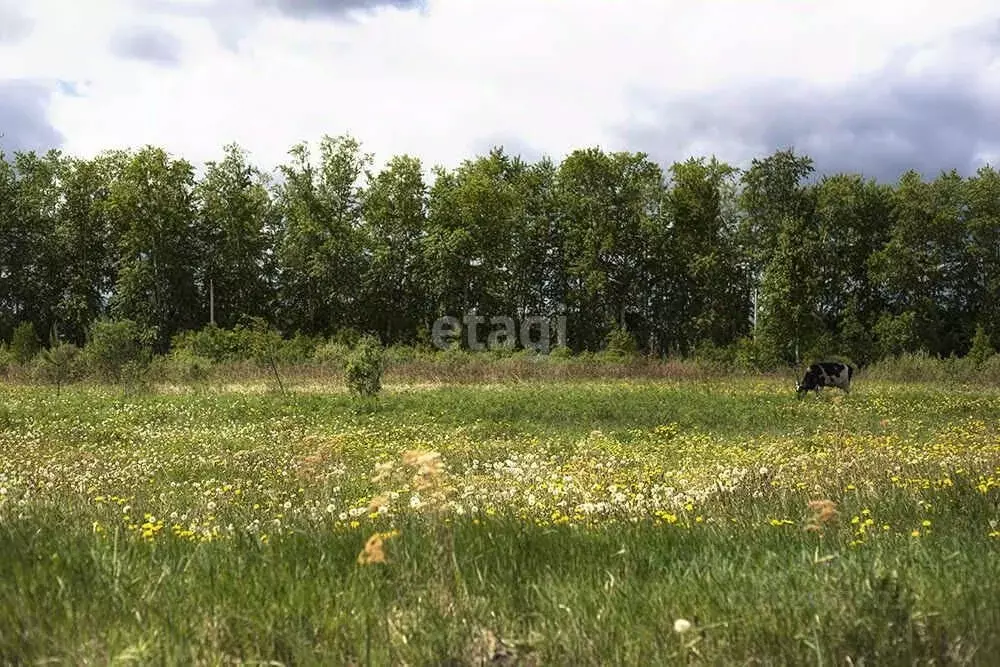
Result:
<point x="826" y="374"/>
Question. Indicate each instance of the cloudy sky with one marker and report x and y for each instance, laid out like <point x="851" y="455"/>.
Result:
<point x="868" y="86"/>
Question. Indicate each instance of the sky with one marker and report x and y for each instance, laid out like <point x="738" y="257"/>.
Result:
<point x="874" y="87"/>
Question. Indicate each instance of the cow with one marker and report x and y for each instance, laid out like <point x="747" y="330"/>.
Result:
<point x="826" y="374"/>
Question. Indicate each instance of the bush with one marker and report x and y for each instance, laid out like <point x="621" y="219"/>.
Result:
<point x="24" y="344"/>
<point x="299" y="349"/>
<point x="348" y="336"/>
<point x="399" y="354"/>
<point x="982" y="348"/>
<point x="707" y="353"/>
<point x="57" y="365"/>
<point x="6" y="357"/>
<point x="119" y="350"/>
<point x="755" y="355"/>
<point x="183" y="365"/>
<point x="264" y="343"/>
<point x="363" y="371"/>
<point x="621" y="342"/>
<point x="896" y="335"/>
<point x="214" y="343"/>
<point x="561" y="352"/>
<point x="332" y="354"/>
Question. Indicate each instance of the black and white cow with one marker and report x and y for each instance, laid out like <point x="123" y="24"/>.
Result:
<point x="826" y="374"/>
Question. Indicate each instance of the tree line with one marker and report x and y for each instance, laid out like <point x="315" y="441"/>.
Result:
<point x="696" y="257"/>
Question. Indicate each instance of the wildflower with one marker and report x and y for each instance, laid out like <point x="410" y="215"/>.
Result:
<point x="373" y="551"/>
<point x="824" y="512"/>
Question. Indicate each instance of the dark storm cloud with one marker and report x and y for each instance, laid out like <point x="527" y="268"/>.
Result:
<point x="24" y="121"/>
<point x="14" y="25"/>
<point x="148" y="44"/>
<point x="880" y="126"/>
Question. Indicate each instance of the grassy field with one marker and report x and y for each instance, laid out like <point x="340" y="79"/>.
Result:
<point x="572" y="523"/>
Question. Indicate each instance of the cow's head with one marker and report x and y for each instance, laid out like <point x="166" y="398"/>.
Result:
<point x="808" y="383"/>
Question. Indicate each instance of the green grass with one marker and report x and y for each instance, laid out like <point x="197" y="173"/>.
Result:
<point x="571" y="523"/>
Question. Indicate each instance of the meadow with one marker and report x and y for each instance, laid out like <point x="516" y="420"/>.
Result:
<point x="714" y="520"/>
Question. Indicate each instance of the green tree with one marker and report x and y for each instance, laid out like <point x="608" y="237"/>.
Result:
<point x="613" y="210"/>
<point x="84" y="244"/>
<point x="29" y="263"/>
<point x="319" y="247"/>
<point x="790" y="292"/>
<point x="982" y="348"/>
<point x="151" y="206"/>
<point x="983" y="220"/>
<point x="394" y="224"/>
<point x="925" y="267"/>
<point x="537" y="268"/>
<point x="710" y="301"/>
<point x="774" y="197"/>
<point x="236" y="224"/>
<point x="853" y="217"/>
<point x="474" y="214"/>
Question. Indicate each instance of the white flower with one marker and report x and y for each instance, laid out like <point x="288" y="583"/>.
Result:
<point x="682" y="625"/>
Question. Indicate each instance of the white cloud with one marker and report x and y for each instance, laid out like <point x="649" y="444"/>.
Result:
<point x="555" y="75"/>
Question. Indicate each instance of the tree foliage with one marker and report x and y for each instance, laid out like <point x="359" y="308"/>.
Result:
<point x="769" y="264"/>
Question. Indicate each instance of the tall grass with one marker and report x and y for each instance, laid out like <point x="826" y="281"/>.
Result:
<point x="621" y="521"/>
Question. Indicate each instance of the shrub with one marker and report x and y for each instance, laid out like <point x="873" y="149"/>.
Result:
<point x="621" y="342"/>
<point x="348" y="336"/>
<point x="299" y="349"/>
<point x="6" y="357"/>
<point x="982" y="348"/>
<point x="119" y="350"/>
<point x="264" y="343"/>
<point x="755" y="355"/>
<point x="57" y="364"/>
<point x="561" y="352"/>
<point x="363" y="371"/>
<point x="183" y="365"/>
<point x="24" y="344"/>
<point x="897" y="334"/>
<point x="332" y="354"/>
<point x="213" y="342"/>
<point x="707" y="353"/>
